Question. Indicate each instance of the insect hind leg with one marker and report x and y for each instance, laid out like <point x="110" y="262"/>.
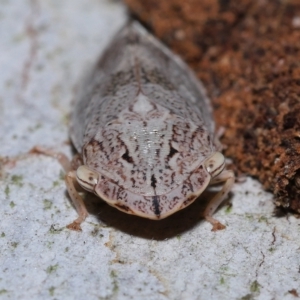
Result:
<point x="228" y="177"/>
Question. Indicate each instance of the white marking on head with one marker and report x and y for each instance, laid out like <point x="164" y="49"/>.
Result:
<point x="142" y="104"/>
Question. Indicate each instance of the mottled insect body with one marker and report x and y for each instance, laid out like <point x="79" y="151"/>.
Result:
<point x="144" y="129"/>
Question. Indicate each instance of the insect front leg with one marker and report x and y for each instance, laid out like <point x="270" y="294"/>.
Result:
<point x="71" y="182"/>
<point x="228" y="177"/>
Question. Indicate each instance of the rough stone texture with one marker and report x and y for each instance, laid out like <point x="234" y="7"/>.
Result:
<point x="45" y="47"/>
<point x="248" y="55"/>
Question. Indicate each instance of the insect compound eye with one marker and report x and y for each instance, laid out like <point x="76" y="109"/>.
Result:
<point x="87" y="178"/>
<point x="215" y="164"/>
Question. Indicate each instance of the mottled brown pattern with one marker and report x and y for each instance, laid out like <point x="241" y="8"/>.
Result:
<point x="147" y="127"/>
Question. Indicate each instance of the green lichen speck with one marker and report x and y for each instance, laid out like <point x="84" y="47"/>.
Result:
<point x="51" y="291"/>
<point x="12" y="204"/>
<point x="14" y="244"/>
<point x="17" y="180"/>
<point x="47" y="204"/>
<point x="53" y="230"/>
<point x="49" y="244"/>
<point x="7" y="191"/>
<point x="228" y="209"/>
<point x="34" y="128"/>
<point x="263" y="219"/>
<point x="255" y="287"/>
<point x="2" y="234"/>
<point x="62" y="175"/>
<point x="247" y="297"/>
<point x="95" y="231"/>
<point x="254" y="291"/>
<point x="55" y="183"/>
<point x="113" y="275"/>
<point x="51" y="269"/>
<point x="3" y="291"/>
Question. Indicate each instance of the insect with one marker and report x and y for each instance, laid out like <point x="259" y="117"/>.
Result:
<point x="144" y="129"/>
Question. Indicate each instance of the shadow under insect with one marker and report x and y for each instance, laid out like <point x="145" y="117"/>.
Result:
<point x="169" y="227"/>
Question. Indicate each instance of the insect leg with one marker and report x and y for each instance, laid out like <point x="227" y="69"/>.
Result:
<point x="226" y="176"/>
<point x="62" y="158"/>
<point x="71" y="182"/>
<point x="77" y="200"/>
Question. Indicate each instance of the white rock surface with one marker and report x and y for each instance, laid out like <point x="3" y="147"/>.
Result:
<point x="46" y="46"/>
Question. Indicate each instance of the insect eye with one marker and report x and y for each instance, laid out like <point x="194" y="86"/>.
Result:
<point x="215" y="164"/>
<point x="87" y="178"/>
